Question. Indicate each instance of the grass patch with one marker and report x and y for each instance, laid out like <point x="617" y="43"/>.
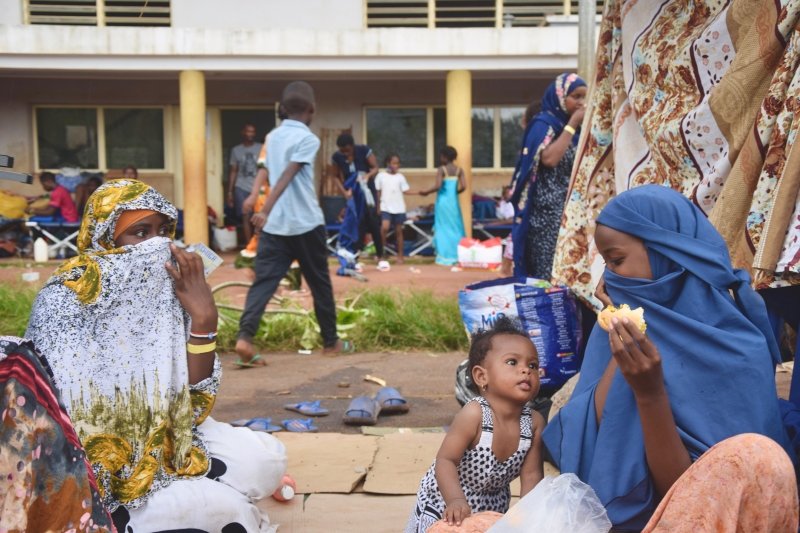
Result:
<point x="409" y="320"/>
<point x="16" y="301"/>
<point x="376" y="320"/>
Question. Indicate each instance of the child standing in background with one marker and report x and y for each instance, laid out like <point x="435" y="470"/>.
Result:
<point x="473" y="471"/>
<point x="291" y="226"/>
<point x="391" y="185"/>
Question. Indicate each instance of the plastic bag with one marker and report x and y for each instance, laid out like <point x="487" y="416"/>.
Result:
<point x="562" y="504"/>
<point x="12" y="207"/>
<point x="549" y="314"/>
<point x="225" y="239"/>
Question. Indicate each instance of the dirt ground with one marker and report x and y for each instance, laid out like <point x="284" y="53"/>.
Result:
<point x="441" y="280"/>
<point x="426" y="380"/>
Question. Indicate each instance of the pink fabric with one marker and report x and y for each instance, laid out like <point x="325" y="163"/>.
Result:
<point x="744" y="484"/>
<point x="61" y="199"/>
<point x="508" y="253"/>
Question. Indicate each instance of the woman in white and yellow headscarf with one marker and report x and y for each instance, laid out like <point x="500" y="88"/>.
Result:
<point x="126" y="327"/>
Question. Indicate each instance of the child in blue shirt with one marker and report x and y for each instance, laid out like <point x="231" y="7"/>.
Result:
<point x="292" y="225"/>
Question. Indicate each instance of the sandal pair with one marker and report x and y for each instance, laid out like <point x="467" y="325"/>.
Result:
<point x="364" y="411"/>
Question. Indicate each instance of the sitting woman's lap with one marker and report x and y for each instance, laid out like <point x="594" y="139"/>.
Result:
<point x="246" y="466"/>
<point x="743" y="484"/>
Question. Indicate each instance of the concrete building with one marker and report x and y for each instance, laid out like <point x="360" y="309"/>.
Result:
<point x="165" y="85"/>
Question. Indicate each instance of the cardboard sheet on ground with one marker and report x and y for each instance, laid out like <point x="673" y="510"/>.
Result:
<point x="401" y="461"/>
<point x="289" y="515"/>
<point x="347" y="513"/>
<point x="339" y="513"/>
<point x="328" y="462"/>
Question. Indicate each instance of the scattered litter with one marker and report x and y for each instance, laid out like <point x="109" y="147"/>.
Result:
<point x="283" y="393"/>
<point x="379" y="381"/>
<point x="431" y="354"/>
<point x="304" y="352"/>
<point x="360" y="470"/>
<point x="30" y="277"/>
<point x="414" y="270"/>
<point x="343" y="385"/>
<point x="319" y="397"/>
<point x="455" y="269"/>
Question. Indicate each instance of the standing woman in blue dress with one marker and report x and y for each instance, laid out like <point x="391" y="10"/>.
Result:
<point x="542" y="175"/>
<point x="448" y="226"/>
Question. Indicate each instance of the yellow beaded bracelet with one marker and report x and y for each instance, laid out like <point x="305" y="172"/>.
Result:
<point x="201" y="348"/>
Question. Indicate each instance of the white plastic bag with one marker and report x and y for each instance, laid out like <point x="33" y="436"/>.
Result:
<point x="225" y="239"/>
<point x="562" y="504"/>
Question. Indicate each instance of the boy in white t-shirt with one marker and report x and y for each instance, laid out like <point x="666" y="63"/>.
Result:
<point x="391" y="185"/>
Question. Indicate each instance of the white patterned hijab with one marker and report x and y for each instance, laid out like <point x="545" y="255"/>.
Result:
<point x="114" y="332"/>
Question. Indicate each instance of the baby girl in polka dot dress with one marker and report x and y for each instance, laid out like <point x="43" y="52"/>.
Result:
<point x="473" y="470"/>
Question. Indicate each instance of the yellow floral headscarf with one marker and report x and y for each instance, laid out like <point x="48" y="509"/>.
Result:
<point x="96" y="236"/>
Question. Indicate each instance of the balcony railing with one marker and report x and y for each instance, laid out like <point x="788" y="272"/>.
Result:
<point x="466" y="13"/>
<point x="98" y="12"/>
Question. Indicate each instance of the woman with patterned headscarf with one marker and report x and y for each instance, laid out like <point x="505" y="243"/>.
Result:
<point x="128" y="328"/>
<point x="541" y="177"/>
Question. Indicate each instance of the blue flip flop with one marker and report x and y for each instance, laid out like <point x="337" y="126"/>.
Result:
<point x="362" y="411"/>
<point x="299" y="426"/>
<point x="391" y="402"/>
<point x="257" y="424"/>
<point x="308" y="408"/>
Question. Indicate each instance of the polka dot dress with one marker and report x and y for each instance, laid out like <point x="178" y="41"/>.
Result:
<point x="484" y="480"/>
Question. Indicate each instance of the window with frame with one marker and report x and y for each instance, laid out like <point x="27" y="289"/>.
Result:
<point x="496" y="135"/>
<point x="100" y="138"/>
<point x="99" y="12"/>
<point x="402" y="131"/>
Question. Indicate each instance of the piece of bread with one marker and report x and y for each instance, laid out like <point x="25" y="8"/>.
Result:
<point x="624" y="311"/>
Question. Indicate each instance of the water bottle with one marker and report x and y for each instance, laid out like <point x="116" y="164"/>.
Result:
<point x="286" y="489"/>
<point x="40" y="253"/>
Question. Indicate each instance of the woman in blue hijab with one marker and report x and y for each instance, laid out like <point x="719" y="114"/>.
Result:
<point x="541" y="178"/>
<point x="648" y="406"/>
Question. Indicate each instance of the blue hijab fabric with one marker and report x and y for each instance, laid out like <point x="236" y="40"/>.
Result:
<point x="718" y="356"/>
<point x="539" y="133"/>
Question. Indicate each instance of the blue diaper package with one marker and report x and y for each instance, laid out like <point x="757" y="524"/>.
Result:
<point x="549" y="314"/>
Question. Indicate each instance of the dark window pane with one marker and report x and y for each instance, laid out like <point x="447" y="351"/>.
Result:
<point x="402" y="131"/>
<point x="511" y="131"/>
<point x="134" y="137"/>
<point x="66" y="138"/>
<point x="439" y="133"/>
<point x="482" y="137"/>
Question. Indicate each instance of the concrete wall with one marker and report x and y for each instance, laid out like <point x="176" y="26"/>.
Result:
<point x="281" y="50"/>
<point x="315" y="14"/>
<point x="10" y="12"/>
